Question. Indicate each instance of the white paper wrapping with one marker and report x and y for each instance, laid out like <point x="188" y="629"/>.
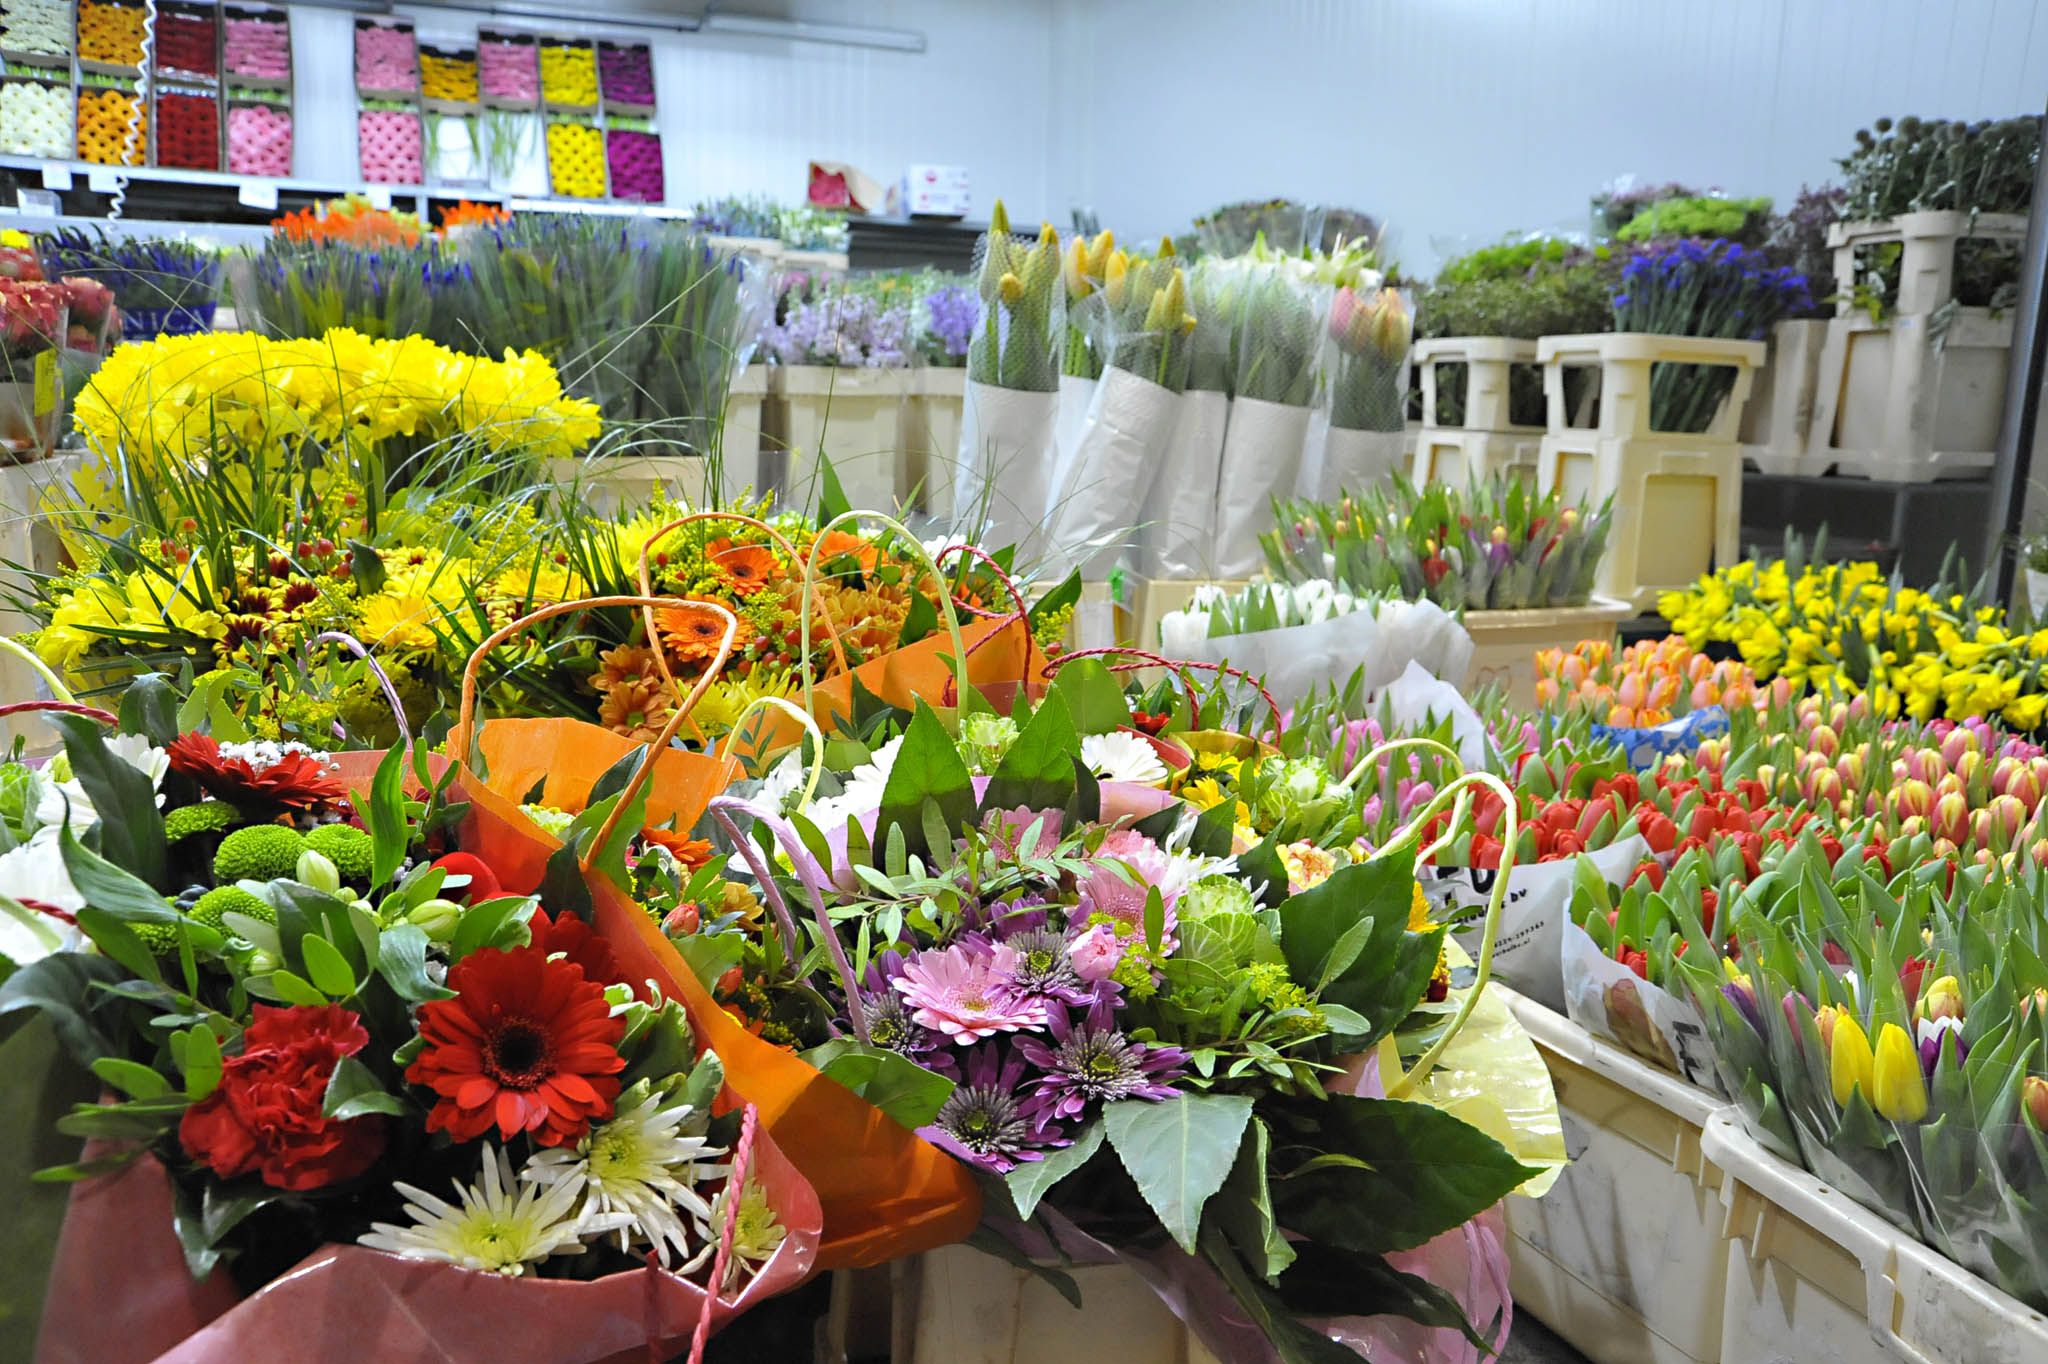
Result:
<point x="1094" y="513"/>
<point x="1180" y="505"/>
<point x="1006" y="464"/>
<point x="1262" y="452"/>
<point x="1609" y="1000"/>
<point x="1299" y="659"/>
<point x="1353" y="461"/>
<point x="1076" y="396"/>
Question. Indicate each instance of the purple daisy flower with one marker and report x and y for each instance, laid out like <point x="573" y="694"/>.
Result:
<point x="1045" y="969"/>
<point x="1093" y="1063"/>
<point x="983" y="1121"/>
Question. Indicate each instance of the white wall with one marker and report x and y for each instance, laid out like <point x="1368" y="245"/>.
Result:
<point x="1460" y="120"/>
<point x="745" y="115"/>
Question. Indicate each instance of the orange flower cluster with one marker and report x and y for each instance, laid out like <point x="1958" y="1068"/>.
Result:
<point x="350" y="222"/>
<point x="1648" y="684"/>
<point x="466" y="214"/>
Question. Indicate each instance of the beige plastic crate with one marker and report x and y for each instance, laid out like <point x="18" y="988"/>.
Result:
<point x="1927" y="259"/>
<point x="856" y="417"/>
<point x="1504" y="643"/>
<point x="1487" y="441"/>
<point x="1677" y="497"/>
<point x="1777" y="422"/>
<point x="931" y="438"/>
<point x="1624" y="1257"/>
<point x="746" y="424"/>
<point x="1899" y="404"/>
<point x="611" y="483"/>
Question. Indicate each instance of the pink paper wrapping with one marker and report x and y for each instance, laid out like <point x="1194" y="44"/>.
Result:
<point x="121" y="1294"/>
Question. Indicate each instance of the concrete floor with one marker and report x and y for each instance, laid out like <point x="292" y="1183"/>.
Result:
<point x="1531" y="1342"/>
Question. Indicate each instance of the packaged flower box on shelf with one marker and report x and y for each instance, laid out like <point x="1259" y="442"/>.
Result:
<point x="448" y="80"/>
<point x="390" y="144"/>
<point x="508" y="71"/>
<point x="110" y="34"/>
<point x="256" y="46"/>
<point x="387" y="60"/>
<point x="625" y="77"/>
<point x="188" y="128"/>
<point x="113" y="124"/>
<point x="38" y="32"/>
<point x="842" y="354"/>
<point x="38" y="118"/>
<point x="568" y="75"/>
<point x="575" y="158"/>
<point x="187" y="42"/>
<point x="453" y="156"/>
<point x="1491" y="435"/>
<point x="632" y="150"/>
<point x="1624" y="1284"/>
<point x="259" y="135"/>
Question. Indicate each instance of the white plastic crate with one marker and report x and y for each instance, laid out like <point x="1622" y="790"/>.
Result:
<point x="1487" y="441"/>
<point x="1814" y="1276"/>
<point x="1927" y="251"/>
<point x="612" y="482"/>
<point x="1777" y="422"/>
<point x="855" y="416"/>
<point x="1677" y="496"/>
<point x="1899" y="404"/>
<point x="1624" y="1256"/>
<point x="957" y="1305"/>
<point x="1504" y="643"/>
<point x="931" y="439"/>
<point x="746" y="418"/>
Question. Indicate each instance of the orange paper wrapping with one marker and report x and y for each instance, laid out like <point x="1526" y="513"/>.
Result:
<point x="120" y="1294"/>
<point x="886" y="1193"/>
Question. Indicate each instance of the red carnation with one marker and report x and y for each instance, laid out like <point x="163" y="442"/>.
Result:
<point x="265" y="1116"/>
<point x="483" y="882"/>
<point x="528" y="1044"/>
<point x="296" y="781"/>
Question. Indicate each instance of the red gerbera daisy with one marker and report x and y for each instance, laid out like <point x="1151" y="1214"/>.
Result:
<point x="296" y="780"/>
<point x="528" y="1044"/>
<point x="569" y="936"/>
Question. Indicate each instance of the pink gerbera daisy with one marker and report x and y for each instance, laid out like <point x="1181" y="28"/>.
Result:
<point x="1120" y="891"/>
<point x="966" y="994"/>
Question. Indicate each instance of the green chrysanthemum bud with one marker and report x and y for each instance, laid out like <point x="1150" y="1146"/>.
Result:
<point x="207" y="817"/>
<point x="316" y="871"/>
<point x="261" y="852"/>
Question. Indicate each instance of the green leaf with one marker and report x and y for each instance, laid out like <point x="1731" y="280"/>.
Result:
<point x="499" y="922"/>
<point x="1325" y="1281"/>
<point x="1262" y="867"/>
<point x="928" y="767"/>
<point x="989" y="1241"/>
<point x="711" y="955"/>
<point x="201" y="1063"/>
<point x="832" y="503"/>
<point x="1178" y="1151"/>
<point x="354" y="1090"/>
<point x="66" y="988"/>
<point x="1094" y="697"/>
<point x="366" y="566"/>
<point x="1245" y="1211"/>
<point x="330" y="971"/>
<point x="118" y="941"/>
<point x="1037" y="773"/>
<point x="387" y="818"/>
<point x="150" y="708"/>
<point x="132" y="1078"/>
<point x="1155" y="918"/>
<point x="293" y="988"/>
<point x="1293" y="1340"/>
<point x="1068" y="593"/>
<point x="921" y="620"/>
<point x="1031" y="1181"/>
<point x="109" y="888"/>
<point x="402" y="961"/>
<point x="131" y="828"/>
<point x="906" y="1091"/>
<point x="1410" y="1173"/>
<point x="1385" y="974"/>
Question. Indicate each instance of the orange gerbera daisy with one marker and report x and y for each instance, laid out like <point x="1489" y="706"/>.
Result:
<point x="691" y="852"/>
<point x="833" y="544"/>
<point x="744" y="569"/>
<point x="638" y="709"/>
<point x="693" y="632"/>
<point x="628" y="663"/>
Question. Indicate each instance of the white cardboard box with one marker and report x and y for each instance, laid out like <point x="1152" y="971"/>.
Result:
<point x="936" y="192"/>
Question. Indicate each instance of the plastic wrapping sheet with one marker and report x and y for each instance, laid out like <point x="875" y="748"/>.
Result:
<point x="1094" y="514"/>
<point x="1179" y="510"/>
<point x="1299" y="659"/>
<point x="1609" y="1000"/>
<point x="1262" y="453"/>
<point x="1005" y="470"/>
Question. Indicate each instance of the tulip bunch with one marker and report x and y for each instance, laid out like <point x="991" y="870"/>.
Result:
<point x="1646" y="684"/>
<point x="1087" y="271"/>
<point x="1018" y="343"/>
<point x="1148" y="323"/>
<point x="1371" y="330"/>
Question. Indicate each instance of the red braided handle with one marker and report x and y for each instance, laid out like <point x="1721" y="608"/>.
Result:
<point x="1022" y="613"/>
<point x="1152" y="660"/>
<point x="66" y="707"/>
<point x="735" y="1189"/>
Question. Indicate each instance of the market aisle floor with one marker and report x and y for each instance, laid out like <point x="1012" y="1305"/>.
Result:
<point x="1531" y="1342"/>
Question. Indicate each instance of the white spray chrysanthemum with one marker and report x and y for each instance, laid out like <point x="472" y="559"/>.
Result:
<point x="505" y="1224"/>
<point x="642" y="1166"/>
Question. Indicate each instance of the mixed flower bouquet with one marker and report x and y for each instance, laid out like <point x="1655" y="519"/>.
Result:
<point x="336" y="1040"/>
<point x="1492" y="546"/>
<point x="1158" y="1036"/>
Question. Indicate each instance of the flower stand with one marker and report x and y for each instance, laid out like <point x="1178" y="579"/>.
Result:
<point x="853" y="416"/>
<point x="1624" y="1256"/>
<point x="1777" y="425"/>
<point x="1918" y="395"/>
<point x="1678" y="496"/>
<point x="931" y="438"/>
<point x="744" y="429"/>
<point x="1807" y="1265"/>
<point x="1489" y="439"/>
<point x="1504" y="643"/>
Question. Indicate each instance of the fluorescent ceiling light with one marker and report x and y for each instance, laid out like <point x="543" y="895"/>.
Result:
<point x="516" y="12"/>
<point x="804" y="31"/>
<point x="354" y="6"/>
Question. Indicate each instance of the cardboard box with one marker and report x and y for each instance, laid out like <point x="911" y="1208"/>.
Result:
<point x="936" y="192"/>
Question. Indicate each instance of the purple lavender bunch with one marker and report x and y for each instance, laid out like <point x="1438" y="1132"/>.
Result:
<point x="951" y="313"/>
<point x="849" y="331"/>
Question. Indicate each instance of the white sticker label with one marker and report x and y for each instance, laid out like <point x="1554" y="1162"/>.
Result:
<point x="57" y="178"/>
<point x="103" y="181"/>
<point x="257" y="194"/>
<point x="378" y="195"/>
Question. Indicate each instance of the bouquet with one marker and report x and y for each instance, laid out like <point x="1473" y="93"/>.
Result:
<point x="163" y="287"/>
<point x="1179" y="511"/>
<point x="344" y="1045"/>
<point x="1149" y="1035"/>
<point x="32" y="332"/>
<point x="1494" y="546"/>
<point x="1279" y="321"/>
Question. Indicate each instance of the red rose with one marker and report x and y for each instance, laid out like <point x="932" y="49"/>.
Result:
<point x="483" y="882"/>
<point x="265" y="1116"/>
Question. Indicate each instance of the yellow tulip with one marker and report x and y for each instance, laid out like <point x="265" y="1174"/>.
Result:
<point x="1850" y="1060"/>
<point x="1896" y="1088"/>
<point x="1116" y="278"/>
<point x="1077" y="271"/>
<point x="1011" y="288"/>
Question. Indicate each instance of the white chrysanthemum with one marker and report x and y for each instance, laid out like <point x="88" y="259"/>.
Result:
<point x="263" y="754"/>
<point x="58" y="791"/>
<point x="1117" y="756"/>
<point x="784" y="780"/>
<point x="33" y="877"/>
<point x="505" y="1223"/>
<point x="863" y="790"/>
<point x="757" y="1235"/>
<point x="644" y="1164"/>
